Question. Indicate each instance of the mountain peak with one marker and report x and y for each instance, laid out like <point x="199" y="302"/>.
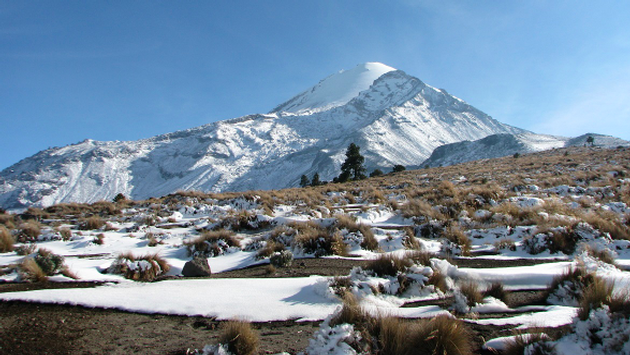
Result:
<point x="335" y="90"/>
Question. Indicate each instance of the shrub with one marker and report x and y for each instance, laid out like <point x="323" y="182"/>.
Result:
<point x="25" y="249"/>
<point x="49" y="262"/>
<point x="239" y="337"/>
<point x="313" y="239"/>
<point x="281" y="258"/>
<point x="91" y="223"/>
<point x="6" y="240"/>
<point x="389" y="265"/>
<point x="29" y="231"/>
<point x="141" y="268"/>
<point x="212" y="243"/>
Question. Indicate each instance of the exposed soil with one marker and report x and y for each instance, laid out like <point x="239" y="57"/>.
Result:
<point x="30" y="328"/>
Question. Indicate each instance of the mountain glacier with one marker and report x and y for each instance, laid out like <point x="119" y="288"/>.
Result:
<point x="395" y="118"/>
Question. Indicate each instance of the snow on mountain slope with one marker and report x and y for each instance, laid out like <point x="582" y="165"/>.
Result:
<point x="395" y="119"/>
<point x="335" y="90"/>
<point x="501" y="145"/>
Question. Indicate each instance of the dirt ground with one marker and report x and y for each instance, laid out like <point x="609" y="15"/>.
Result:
<point x="30" y="328"/>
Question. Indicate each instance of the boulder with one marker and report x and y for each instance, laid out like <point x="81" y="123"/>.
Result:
<point x="197" y="267"/>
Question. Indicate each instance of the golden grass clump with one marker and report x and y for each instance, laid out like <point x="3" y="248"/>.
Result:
<point x="7" y="220"/>
<point x="317" y="240"/>
<point x="239" y="337"/>
<point x="212" y="243"/>
<point x="92" y="223"/>
<point x="472" y="291"/>
<point x="139" y="268"/>
<point x="498" y="291"/>
<point x="455" y="235"/>
<point x="29" y="231"/>
<point x="389" y="264"/>
<point x="6" y="240"/>
<point x="30" y="270"/>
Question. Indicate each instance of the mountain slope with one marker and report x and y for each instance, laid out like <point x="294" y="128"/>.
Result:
<point x="501" y="145"/>
<point x="395" y="119"/>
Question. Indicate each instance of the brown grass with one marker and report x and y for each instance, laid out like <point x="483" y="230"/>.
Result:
<point x="438" y="280"/>
<point x="535" y="339"/>
<point x="239" y="337"/>
<point x="497" y="291"/>
<point x="6" y="240"/>
<point x="30" y="270"/>
<point x="389" y="264"/>
<point x="442" y="335"/>
<point x="157" y="267"/>
<point x="209" y="243"/>
<point x="472" y="291"/>
<point x="454" y="234"/>
<point x="29" y="231"/>
<point x="91" y="223"/>
<point x="314" y="239"/>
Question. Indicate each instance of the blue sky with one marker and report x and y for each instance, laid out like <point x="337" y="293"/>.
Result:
<point x="125" y="70"/>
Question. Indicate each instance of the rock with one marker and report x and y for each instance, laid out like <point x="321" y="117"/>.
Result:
<point x="196" y="267"/>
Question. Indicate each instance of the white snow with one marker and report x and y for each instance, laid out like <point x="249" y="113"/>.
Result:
<point x="258" y="300"/>
<point x="335" y="90"/>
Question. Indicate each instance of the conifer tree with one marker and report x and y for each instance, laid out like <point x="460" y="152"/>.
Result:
<point x="304" y="182"/>
<point x="315" y="181"/>
<point x="353" y="166"/>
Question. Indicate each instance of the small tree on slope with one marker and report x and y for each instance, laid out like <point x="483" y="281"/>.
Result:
<point x="353" y="166"/>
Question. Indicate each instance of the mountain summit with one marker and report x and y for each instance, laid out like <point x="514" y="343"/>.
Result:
<point x="395" y="118"/>
<point x="335" y="90"/>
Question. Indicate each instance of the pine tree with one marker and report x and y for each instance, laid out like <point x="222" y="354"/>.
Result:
<point x="353" y="166"/>
<point x="376" y="172"/>
<point x="399" y="168"/>
<point x="315" y="181"/>
<point x="304" y="181"/>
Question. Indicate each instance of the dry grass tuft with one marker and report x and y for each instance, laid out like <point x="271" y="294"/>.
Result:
<point x="535" y="342"/>
<point x="30" y="270"/>
<point x="6" y="240"/>
<point x="314" y="239"/>
<point x="438" y="280"/>
<point x="442" y="335"/>
<point x="471" y="290"/>
<point x="389" y="264"/>
<point x="239" y="337"/>
<point x="92" y="223"/>
<point x="141" y="268"/>
<point x="29" y="231"/>
<point x="212" y="243"/>
<point x="497" y="291"/>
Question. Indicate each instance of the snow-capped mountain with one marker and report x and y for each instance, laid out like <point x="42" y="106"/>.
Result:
<point x="395" y="119"/>
<point x="500" y="145"/>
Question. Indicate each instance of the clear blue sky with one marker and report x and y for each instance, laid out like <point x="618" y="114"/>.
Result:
<point x="125" y="70"/>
